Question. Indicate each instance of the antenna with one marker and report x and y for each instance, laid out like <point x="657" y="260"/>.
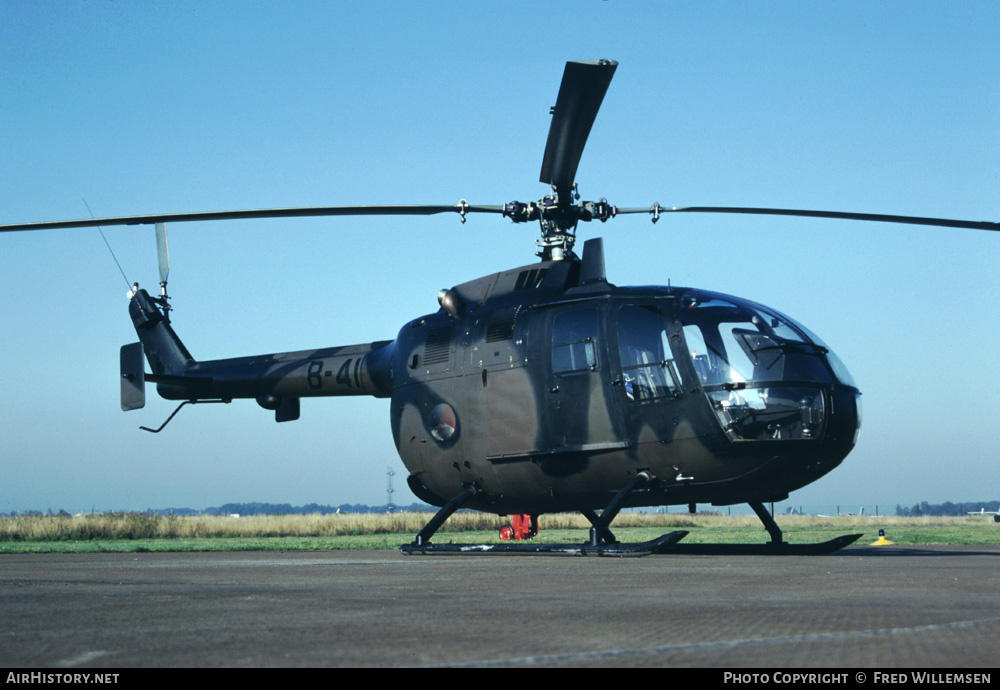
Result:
<point x="106" y="244"/>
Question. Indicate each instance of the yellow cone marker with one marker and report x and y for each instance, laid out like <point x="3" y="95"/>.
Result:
<point x="881" y="541"/>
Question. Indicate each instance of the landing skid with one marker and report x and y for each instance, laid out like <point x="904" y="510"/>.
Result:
<point x="768" y="549"/>
<point x="659" y="545"/>
<point x="603" y="542"/>
<point x="664" y="545"/>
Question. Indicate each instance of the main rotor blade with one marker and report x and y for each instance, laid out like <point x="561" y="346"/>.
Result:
<point x="304" y="212"/>
<point x="656" y="210"/>
<point x="582" y="91"/>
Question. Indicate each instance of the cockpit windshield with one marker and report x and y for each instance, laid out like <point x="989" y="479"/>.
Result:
<point x="763" y="372"/>
<point x="735" y="342"/>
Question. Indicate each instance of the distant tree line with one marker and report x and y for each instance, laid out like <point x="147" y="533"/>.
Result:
<point x="251" y="509"/>
<point x="916" y="510"/>
<point x="288" y="509"/>
<point x="947" y="508"/>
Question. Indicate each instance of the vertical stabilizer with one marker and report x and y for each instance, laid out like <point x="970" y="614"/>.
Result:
<point x="164" y="350"/>
<point x="133" y="379"/>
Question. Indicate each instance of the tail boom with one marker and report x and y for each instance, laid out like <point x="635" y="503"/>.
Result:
<point x="333" y="371"/>
<point x="277" y="381"/>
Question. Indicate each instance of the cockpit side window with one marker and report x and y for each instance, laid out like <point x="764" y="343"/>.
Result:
<point x="648" y="368"/>
<point x="708" y="353"/>
<point x="574" y="340"/>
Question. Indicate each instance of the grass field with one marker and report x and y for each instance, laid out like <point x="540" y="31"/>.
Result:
<point x="141" y="532"/>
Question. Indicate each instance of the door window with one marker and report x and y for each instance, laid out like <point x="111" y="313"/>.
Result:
<point x="574" y="341"/>
<point x="648" y="369"/>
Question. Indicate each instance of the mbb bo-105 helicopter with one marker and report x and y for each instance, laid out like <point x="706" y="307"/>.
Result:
<point x="547" y="388"/>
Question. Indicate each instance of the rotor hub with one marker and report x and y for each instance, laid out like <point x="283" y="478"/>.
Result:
<point x="558" y="221"/>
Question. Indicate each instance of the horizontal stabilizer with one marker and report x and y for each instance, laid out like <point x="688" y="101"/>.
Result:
<point x="189" y="381"/>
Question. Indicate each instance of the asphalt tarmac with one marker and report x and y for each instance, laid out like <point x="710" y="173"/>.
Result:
<point x="872" y="607"/>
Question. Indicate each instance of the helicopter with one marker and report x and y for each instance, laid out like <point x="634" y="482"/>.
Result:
<point x="546" y="387"/>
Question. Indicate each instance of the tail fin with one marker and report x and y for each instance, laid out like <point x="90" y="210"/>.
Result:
<point x="164" y="350"/>
<point x="157" y="341"/>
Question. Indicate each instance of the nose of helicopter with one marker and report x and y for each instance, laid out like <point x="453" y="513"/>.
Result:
<point x="767" y="377"/>
<point x="844" y="426"/>
<point x="800" y="464"/>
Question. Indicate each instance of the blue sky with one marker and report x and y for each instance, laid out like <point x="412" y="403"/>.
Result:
<point x="157" y="107"/>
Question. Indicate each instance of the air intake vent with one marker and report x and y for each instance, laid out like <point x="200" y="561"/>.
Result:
<point x="438" y="346"/>
<point x="501" y="325"/>
<point x="527" y="280"/>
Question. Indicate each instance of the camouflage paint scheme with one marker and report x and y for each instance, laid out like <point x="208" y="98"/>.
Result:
<point x="481" y="396"/>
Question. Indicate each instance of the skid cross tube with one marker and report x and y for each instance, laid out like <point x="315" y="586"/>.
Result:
<point x="769" y="524"/>
<point x="600" y="528"/>
<point x="424" y="536"/>
<point x="606" y="535"/>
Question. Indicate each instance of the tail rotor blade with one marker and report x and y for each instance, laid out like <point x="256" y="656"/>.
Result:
<point x="162" y="252"/>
